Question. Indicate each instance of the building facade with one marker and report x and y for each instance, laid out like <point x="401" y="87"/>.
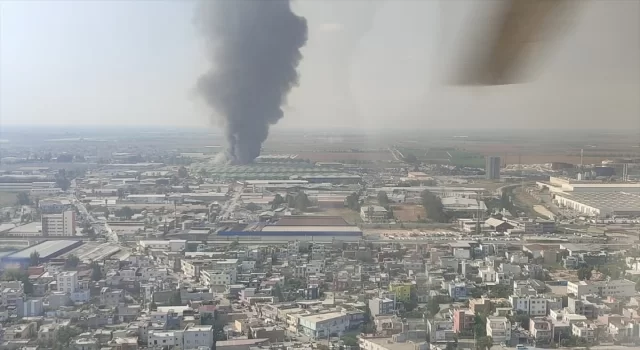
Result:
<point x="57" y="225"/>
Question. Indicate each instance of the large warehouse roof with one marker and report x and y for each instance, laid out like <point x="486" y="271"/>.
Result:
<point x="45" y="249"/>
<point x="310" y="229"/>
<point x="614" y="201"/>
<point x="311" y="221"/>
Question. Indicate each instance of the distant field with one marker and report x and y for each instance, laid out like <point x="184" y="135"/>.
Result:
<point x="344" y="156"/>
<point x="408" y="213"/>
<point x="8" y="199"/>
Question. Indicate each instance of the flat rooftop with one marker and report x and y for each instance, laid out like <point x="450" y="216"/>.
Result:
<point x="46" y="249"/>
<point x="618" y="201"/>
<point x="312" y="221"/>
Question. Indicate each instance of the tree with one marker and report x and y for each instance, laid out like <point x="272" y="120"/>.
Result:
<point x="63" y="183"/>
<point x="22" y="276"/>
<point x="433" y="206"/>
<point x="484" y="342"/>
<point x="96" y="271"/>
<point x="277" y="292"/>
<point x="302" y="201"/>
<point x="23" y="198"/>
<point x="433" y="307"/>
<point x="153" y="306"/>
<point x="71" y="262"/>
<point x="383" y="199"/>
<point x="175" y="299"/>
<point x="182" y="172"/>
<point x="277" y="201"/>
<point x="450" y="346"/>
<point x="353" y="201"/>
<point x="125" y="212"/>
<point x="34" y="259"/>
<point x="252" y="207"/>
<point x="584" y="273"/>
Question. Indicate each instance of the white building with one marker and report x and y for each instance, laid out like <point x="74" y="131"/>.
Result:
<point x="67" y="281"/>
<point x="529" y="305"/>
<point x="222" y="277"/>
<point x="498" y="328"/>
<point x="320" y="326"/>
<point x="614" y="288"/>
<point x="174" y="245"/>
<point x="59" y="224"/>
<point x="191" y="337"/>
<point x="584" y="330"/>
<point x="488" y="274"/>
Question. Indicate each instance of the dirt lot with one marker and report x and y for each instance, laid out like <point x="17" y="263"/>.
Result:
<point x="342" y="156"/>
<point x="349" y="215"/>
<point x="408" y="213"/>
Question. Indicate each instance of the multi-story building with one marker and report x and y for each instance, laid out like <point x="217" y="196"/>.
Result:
<point x="584" y="330"/>
<point x="499" y="328"/>
<point x="222" y="277"/>
<point x="529" y="305"/>
<point x="191" y="337"/>
<point x="381" y="306"/>
<point x="319" y="326"/>
<point x="401" y="290"/>
<point x="540" y="330"/>
<point x="614" y="288"/>
<point x="57" y="225"/>
<point x="463" y="320"/>
<point x="492" y="168"/>
<point x="111" y="297"/>
<point x="67" y="281"/>
<point x="458" y="291"/>
<point x="488" y="274"/>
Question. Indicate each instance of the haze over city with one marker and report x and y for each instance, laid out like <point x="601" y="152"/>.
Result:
<point x="368" y="65"/>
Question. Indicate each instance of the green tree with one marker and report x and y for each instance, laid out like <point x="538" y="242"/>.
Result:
<point x="125" y="212"/>
<point x="182" y="172"/>
<point x="277" y="201"/>
<point x="71" y="262"/>
<point x="584" y="273"/>
<point x="433" y="206"/>
<point x="383" y="199"/>
<point x="23" y="198"/>
<point x="63" y="183"/>
<point x="153" y="306"/>
<point x="484" y="343"/>
<point x="19" y="275"/>
<point x="34" y="259"/>
<point x="353" y="201"/>
<point x="349" y="340"/>
<point x="252" y="207"/>
<point x="301" y="201"/>
<point x="433" y="307"/>
<point x="277" y="292"/>
<point x="96" y="271"/>
<point x="207" y="319"/>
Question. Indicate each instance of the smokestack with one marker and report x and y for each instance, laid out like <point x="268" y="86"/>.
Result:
<point x="254" y="49"/>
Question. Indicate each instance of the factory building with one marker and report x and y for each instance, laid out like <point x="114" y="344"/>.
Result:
<point x="46" y="250"/>
<point x="301" y="227"/>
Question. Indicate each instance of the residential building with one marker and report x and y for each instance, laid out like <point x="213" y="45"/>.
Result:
<point x="323" y="325"/>
<point x="614" y="288"/>
<point x="57" y="225"/>
<point x="390" y="343"/>
<point x="381" y="306"/>
<point x="222" y="277"/>
<point x="584" y="330"/>
<point x="540" y="330"/>
<point x="401" y="290"/>
<point x="463" y="320"/>
<point x="33" y="308"/>
<point x="529" y="305"/>
<point x="458" y="291"/>
<point x="197" y="336"/>
<point x="67" y="281"/>
<point x="487" y="274"/>
<point x="499" y="328"/>
<point x="440" y="330"/>
<point x="111" y="297"/>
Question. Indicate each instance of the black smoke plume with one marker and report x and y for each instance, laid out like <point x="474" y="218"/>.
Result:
<point x="254" y="47"/>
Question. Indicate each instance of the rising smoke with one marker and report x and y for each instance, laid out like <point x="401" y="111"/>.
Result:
<point x="254" y="47"/>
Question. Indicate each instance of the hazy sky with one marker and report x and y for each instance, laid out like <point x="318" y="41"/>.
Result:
<point x="374" y="64"/>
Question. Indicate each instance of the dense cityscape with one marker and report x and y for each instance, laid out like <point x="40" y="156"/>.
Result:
<point x="149" y="244"/>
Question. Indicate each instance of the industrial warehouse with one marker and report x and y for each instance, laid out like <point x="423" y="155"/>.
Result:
<point x="295" y="171"/>
<point x="595" y="199"/>
<point x="296" y="227"/>
<point x="46" y="251"/>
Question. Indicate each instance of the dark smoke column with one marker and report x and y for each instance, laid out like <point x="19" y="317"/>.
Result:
<point x="254" y="47"/>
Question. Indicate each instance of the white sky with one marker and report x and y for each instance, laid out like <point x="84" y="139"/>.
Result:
<point x="370" y="64"/>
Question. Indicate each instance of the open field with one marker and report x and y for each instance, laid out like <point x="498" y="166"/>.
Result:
<point x="8" y="199"/>
<point x="345" y="156"/>
<point x="408" y="213"/>
<point x="352" y="217"/>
